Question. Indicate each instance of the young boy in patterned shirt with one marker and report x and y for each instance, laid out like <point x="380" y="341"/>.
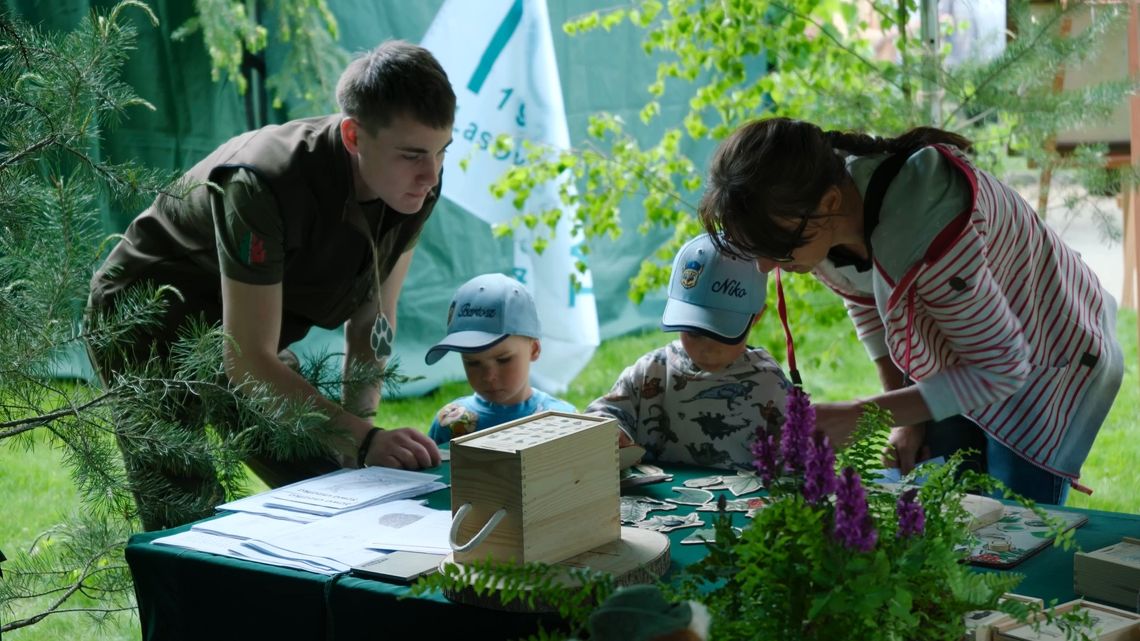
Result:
<point x="700" y="399"/>
<point x="493" y="324"/>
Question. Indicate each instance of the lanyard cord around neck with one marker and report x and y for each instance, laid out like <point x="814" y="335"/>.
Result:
<point x="374" y="248"/>
<point x="782" y="307"/>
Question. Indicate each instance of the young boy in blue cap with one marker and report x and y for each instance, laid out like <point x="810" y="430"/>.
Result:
<point x="700" y="399"/>
<point x="493" y="324"/>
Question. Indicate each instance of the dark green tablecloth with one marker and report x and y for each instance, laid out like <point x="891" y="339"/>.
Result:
<point x="193" y="595"/>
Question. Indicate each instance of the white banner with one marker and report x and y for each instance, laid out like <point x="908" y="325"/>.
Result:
<point x="499" y="55"/>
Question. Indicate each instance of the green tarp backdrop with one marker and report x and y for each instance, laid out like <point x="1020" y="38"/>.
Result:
<point x="600" y="71"/>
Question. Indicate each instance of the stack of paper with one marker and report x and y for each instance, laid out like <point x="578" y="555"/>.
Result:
<point x="326" y="524"/>
<point x="337" y="492"/>
<point x="1110" y="574"/>
<point x="342" y="541"/>
<point x="223" y="536"/>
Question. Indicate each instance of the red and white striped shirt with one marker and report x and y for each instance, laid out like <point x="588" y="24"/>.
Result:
<point x="998" y="320"/>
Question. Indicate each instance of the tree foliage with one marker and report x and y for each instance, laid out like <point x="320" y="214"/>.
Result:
<point x="814" y="60"/>
<point x="60" y="94"/>
<point x="233" y="31"/>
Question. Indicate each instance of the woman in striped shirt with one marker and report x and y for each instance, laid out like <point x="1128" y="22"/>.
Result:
<point x="953" y="282"/>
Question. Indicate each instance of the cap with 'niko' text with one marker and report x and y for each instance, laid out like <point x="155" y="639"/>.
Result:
<point x="712" y="293"/>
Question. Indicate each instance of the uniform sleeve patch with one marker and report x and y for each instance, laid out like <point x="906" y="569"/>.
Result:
<point x="252" y="249"/>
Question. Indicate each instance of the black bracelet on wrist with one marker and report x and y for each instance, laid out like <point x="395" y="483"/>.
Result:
<point x="362" y="452"/>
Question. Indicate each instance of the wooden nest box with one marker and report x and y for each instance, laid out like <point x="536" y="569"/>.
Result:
<point x="539" y="489"/>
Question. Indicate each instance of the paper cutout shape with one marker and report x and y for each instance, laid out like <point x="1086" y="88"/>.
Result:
<point x="743" y="483"/>
<point x="643" y="474"/>
<point x="703" y="535"/>
<point x="669" y="522"/>
<point x="636" y="508"/>
<point x="731" y="505"/>
<point x="703" y="482"/>
<point x="690" y="496"/>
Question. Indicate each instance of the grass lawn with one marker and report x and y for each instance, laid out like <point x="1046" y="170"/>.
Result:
<point x="37" y="491"/>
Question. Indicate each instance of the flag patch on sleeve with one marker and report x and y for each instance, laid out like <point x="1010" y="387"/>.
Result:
<point x="252" y="249"/>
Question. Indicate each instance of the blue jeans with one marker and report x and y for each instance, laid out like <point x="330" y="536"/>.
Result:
<point x="958" y="432"/>
<point x="1023" y="477"/>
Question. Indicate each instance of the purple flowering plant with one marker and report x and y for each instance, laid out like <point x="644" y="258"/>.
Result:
<point x="836" y="556"/>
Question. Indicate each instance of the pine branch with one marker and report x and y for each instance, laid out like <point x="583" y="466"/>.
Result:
<point x="12" y="428"/>
<point x="62" y="573"/>
<point x="20" y="156"/>
<point x="1003" y="68"/>
<point x="57" y="606"/>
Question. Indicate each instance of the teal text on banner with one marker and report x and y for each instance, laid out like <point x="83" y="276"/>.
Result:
<point x="498" y="43"/>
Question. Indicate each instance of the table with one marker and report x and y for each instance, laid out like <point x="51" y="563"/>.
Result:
<point x="193" y="595"/>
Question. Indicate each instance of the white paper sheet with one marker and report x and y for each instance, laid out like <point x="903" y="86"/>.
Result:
<point x="338" y="491"/>
<point x="350" y="538"/>
<point x="226" y="546"/>
<point x="242" y="525"/>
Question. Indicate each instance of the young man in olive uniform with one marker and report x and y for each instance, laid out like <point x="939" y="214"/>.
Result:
<point x="315" y="225"/>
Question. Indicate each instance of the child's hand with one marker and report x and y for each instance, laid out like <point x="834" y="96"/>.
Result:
<point x="837" y="421"/>
<point x="906" y="447"/>
<point x="624" y="440"/>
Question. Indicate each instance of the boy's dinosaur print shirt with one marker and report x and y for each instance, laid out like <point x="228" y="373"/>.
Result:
<point x="681" y="414"/>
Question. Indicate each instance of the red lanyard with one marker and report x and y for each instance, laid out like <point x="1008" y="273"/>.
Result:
<point x="782" y="307"/>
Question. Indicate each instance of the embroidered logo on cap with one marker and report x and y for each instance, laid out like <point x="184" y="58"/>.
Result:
<point x="730" y="287"/>
<point x="691" y="273"/>
<point x="481" y="312"/>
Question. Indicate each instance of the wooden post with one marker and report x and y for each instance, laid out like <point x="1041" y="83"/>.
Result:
<point x="1128" y="294"/>
<point x="1051" y="144"/>
<point x="1132" y="213"/>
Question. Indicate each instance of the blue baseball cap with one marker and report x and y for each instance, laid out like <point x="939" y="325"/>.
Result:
<point x="484" y="311"/>
<point x="712" y="293"/>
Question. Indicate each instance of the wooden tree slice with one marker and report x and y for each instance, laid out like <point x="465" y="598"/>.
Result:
<point x="640" y="556"/>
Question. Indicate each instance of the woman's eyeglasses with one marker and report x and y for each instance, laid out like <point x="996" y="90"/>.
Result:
<point x="797" y="237"/>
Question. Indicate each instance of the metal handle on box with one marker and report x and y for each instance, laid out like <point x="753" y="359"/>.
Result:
<point x="480" y="535"/>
